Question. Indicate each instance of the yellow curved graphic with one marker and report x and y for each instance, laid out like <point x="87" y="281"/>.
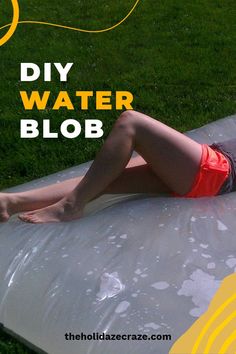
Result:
<point x="16" y="21"/>
<point x="214" y="331"/>
<point x="227" y="344"/>
<point x="217" y="331"/>
<point x="13" y="25"/>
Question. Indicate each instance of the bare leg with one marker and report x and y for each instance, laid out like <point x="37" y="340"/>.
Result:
<point x="137" y="177"/>
<point x="12" y="203"/>
<point x="173" y="157"/>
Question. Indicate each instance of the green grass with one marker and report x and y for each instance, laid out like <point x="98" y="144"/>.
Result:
<point x="8" y="345"/>
<point x="177" y="58"/>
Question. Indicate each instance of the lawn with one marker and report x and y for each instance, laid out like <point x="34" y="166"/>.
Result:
<point x="9" y="345"/>
<point x="177" y="58"/>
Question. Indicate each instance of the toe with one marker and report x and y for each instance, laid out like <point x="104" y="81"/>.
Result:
<point x="25" y="217"/>
<point x="32" y="218"/>
<point x="35" y="220"/>
<point x="22" y="217"/>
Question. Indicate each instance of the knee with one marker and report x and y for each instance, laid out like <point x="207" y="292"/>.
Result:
<point x="126" y="121"/>
<point x="128" y="115"/>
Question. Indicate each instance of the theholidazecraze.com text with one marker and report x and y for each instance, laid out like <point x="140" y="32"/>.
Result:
<point x="112" y="336"/>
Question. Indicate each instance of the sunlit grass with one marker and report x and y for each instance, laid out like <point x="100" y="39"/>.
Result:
<point x="177" y="58"/>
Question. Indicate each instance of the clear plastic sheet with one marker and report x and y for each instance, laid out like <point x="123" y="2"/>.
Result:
<point x="134" y="264"/>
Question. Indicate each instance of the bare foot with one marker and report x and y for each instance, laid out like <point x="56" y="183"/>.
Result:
<point x="64" y="210"/>
<point x="7" y="202"/>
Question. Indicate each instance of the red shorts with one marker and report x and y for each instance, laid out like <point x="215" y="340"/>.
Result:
<point x="213" y="170"/>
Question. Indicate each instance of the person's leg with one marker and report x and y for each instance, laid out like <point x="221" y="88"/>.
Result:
<point x="173" y="157"/>
<point x="137" y="177"/>
<point x="12" y="203"/>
